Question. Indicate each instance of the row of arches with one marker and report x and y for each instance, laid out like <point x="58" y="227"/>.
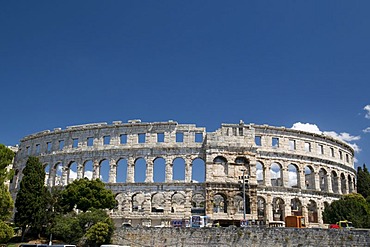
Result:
<point x="161" y="170"/>
<point x="305" y="178"/>
<point x="121" y="171"/>
<point x="176" y="202"/>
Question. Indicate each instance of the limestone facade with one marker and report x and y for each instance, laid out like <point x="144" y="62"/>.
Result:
<point x="163" y="171"/>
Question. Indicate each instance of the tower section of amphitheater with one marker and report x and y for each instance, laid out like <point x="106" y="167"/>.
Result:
<point x="164" y="171"/>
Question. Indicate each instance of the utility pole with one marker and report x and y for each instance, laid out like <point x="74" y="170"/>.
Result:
<point x="243" y="195"/>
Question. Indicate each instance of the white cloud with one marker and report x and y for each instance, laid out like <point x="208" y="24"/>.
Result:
<point x="355" y="147"/>
<point x="367" y="130"/>
<point x="367" y="108"/>
<point x="306" y="127"/>
<point x="342" y="136"/>
<point x="346" y="137"/>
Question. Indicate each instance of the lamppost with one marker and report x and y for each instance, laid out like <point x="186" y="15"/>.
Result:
<point x="244" y="178"/>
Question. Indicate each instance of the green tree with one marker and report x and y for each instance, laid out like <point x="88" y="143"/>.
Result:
<point x="84" y="194"/>
<point x="31" y="202"/>
<point x="66" y="228"/>
<point x="6" y="232"/>
<point x="74" y="228"/>
<point x="363" y="181"/>
<point x="6" y="201"/>
<point x="6" y="158"/>
<point x="352" y="207"/>
<point x="94" y="216"/>
<point x="98" y="234"/>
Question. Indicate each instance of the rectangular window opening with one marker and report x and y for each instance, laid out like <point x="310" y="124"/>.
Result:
<point x="160" y="137"/>
<point x="275" y="142"/>
<point x="340" y="155"/>
<point x="198" y="137"/>
<point x="123" y="138"/>
<point x="141" y="138"/>
<point x="37" y="148"/>
<point x="320" y="149"/>
<point x="106" y="140"/>
<point x="307" y="147"/>
<point x="179" y="137"/>
<point x="292" y="145"/>
<point x="75" y="143"/>
<point x="332" y="152"/>
<point x="241" y="131"/>
<point x="257" y="140"/>
<point x="28" y="150"/>
<point x="48" y="146"/>
<point x="90" y="141"/>
<point x="61" y="144"/>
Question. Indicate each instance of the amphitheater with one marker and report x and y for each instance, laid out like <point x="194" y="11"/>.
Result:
<point x="165" y="171"/>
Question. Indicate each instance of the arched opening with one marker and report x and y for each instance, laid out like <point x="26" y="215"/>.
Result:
<point x="261" y="210"/>
<point x="198" y="171"/>
<point x="323" y="180"/>
<point x="219" y="204"/>
<point x="178" y="169"/>
<point x="275" y="172"/>
<point x="245" y="163"/>
<point x="178" y="203"/>
<point x="72" y="172"/>
<point x="312" y="212"/>
<point x="296" y="207"/>
<point x="104" y="169"/>
<point x="343" y="183"/>
<point x="159" y="170"/>
<point x="47" y="175"/>
<point x="140" y="170"/>
<point x="334" y="182"/>
<point x="120" y="202"/>
<point x="239" y="206"/>
<point x="158" y="202"/>
<point x="198" y="204"/>
<point x="137" y="202"/>
<point x="88" y="170"/>
<point x="121" y="176"/>
<point x="260" y="173"/>
<point x="309" y="177"/>
<point x="350" y="184"/>
<point x="278" y="213"/>
<point x="221" y="165"/>
<point x="293" y="176"/>
<point x="57" y="174"/>
<point x="220" y="160"/>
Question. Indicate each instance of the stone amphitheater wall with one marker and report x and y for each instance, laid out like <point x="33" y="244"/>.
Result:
<point x="254" y="236"/>
<point x="285" y="171"/>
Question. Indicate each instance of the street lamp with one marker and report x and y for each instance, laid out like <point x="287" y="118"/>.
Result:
<point x="244" y="178"/>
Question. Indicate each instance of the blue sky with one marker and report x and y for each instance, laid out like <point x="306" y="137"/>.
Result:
<point x="205" y="62"/>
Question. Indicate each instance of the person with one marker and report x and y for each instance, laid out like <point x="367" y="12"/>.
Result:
<point x="217" y="224"/>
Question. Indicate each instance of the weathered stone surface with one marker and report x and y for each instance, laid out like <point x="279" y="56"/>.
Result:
<point x="286" y="172"/>
<point x="253" y="236"/>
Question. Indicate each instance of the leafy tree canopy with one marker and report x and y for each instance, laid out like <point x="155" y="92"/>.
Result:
<point x="31" y="202"/>
<point x="98" y="234"/>
<point x="6" y="201"/>
<point x="6" y="158"/>
<point x="6" y="232"/>
<point x="67" y="228"/>
<point x="352" y="207"/>
<point x="85" y="194"/>
<point x="92" y="226"/>
<point x="363" y="182"/>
